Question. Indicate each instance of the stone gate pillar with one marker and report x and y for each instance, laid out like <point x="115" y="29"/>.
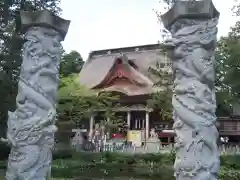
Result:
<point x="31" y="126"/>
<point x="193" y="25"/>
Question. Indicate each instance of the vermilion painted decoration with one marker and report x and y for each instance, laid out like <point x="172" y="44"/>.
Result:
<point x="118" y="72"/>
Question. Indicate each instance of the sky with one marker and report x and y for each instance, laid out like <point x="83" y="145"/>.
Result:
<point x="106" y="24"/>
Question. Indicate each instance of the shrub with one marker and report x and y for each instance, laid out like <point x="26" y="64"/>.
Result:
<point x="67" y="164"/>
<point x="146" y="166"/>
<point x="231" y="161"/>
<point x="62" y="154"/>
<point x="123" y="158"/>
<point x="226" y="173"/>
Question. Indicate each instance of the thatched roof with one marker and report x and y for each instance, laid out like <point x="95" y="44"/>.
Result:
<point x="99" y="63"/>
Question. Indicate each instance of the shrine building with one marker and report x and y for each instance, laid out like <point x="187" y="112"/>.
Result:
<point x="125" y="72"/>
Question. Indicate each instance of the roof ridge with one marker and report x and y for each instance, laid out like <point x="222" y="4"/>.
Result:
<point x="124" y="49"/>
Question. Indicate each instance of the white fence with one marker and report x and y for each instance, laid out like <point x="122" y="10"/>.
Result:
<point x="224" y="149"/>
<point x="229" y="149"/>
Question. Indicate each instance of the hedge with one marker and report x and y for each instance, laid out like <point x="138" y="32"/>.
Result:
<point x="143" y="166"/>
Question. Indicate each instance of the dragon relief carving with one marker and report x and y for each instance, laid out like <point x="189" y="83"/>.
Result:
<point x="31" y="126"/>
<point x="194" y="100"/>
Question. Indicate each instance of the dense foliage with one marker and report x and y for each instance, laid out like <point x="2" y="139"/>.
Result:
<point x="68" y="165"/>
<point x="228" y="49"/>
<point x="77" y="102"/>
<point x="160" y="100"/>
<point x="10" y="49"/>
<point x="71" y="63"/>
<point x="11" y="46"/>
<point x="144" y="166"/>
<point x="227" y="66"/>
<point x="140" y="166"/>
<point x="228" y="70"/>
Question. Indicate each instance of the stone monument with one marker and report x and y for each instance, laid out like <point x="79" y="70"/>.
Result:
<point x="31" y="126"/>
<point x="193" y="25"/>
<point x="153" y="143"/>
<point x="78" y="139"/>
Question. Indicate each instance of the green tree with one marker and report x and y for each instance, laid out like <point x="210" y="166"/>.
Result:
<point x="11" y="43"/>
<point x="228" y="65"/>
<point x="77" y="102"/>
<point x="71" y="63"/>
<point x="226" y="77"/>
<point x="227" y="70"/>
<point x="161" y="100"/>
<point x="223" y="93"/>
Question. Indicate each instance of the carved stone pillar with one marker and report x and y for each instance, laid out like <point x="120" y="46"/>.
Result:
<point x="193" y="25"/>
<point x="31" y="126"/>
<point x="147" y="125"/>
<point x="91" y="126"/>
<point x="129" y="118"/>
